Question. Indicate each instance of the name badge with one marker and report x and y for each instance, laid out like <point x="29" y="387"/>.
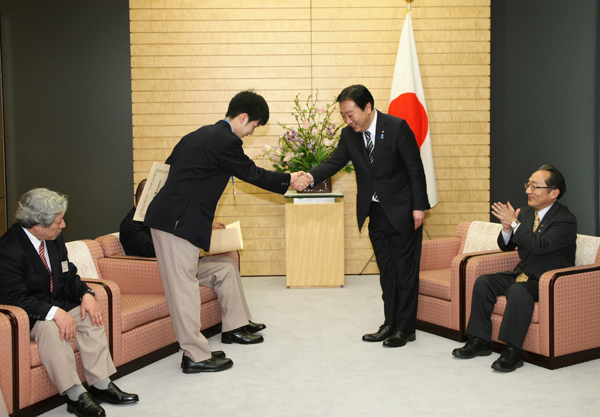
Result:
<point x="65" y="266"/>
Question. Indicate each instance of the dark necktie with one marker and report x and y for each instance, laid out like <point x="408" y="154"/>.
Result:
<point x="370" y="152"/>
<point x="43" y="256"/>
<point x="369" y="145"/>
<point x="536" y="222"/>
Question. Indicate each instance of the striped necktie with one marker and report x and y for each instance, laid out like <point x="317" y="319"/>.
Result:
<point x="369" y="145"/>
<point x="43" y="256"/>
<point x="370" y="149"/>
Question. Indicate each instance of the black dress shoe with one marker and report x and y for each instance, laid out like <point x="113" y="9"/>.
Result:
<point x="209" y="365"/>
<point x="385" y="331"/>
<point x="241" y="336"/>
<point x="399" y="338"/>
<point x="252" y="327"/>
<point x="113" y="395"/>
<point x="509" y="361"/>
<point x="85" y="406"/>
<point x="473" y="348"/>
<point x="217" y="354"/>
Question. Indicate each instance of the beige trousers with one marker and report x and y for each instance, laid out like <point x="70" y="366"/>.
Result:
<point x="180" y="272"/>
<point x="58" y="357"/>
<point x="3" y="409"/>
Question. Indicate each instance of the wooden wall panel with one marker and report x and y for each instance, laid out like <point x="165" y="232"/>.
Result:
<point x="189" y="57"/>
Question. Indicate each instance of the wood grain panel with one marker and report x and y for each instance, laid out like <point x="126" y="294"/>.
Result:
<point x="189" y="57"/>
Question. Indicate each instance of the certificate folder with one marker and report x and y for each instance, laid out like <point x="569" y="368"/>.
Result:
<point x="225" y="240"/>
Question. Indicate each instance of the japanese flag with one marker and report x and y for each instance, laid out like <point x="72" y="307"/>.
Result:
<point x="407" y="101"/>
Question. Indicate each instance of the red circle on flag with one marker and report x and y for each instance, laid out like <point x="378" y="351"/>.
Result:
<point x="408" y="107"/>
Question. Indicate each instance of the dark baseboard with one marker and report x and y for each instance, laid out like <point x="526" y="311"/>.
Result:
<point x="556" y="362"/>
<point x="441" y="331"/>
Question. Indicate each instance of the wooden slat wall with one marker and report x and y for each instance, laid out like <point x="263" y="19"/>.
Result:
<point x="189" y="57"/>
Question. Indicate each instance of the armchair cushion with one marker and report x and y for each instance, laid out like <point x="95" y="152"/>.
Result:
<point x="435" y="283"/>
<point x="139" y="309"/>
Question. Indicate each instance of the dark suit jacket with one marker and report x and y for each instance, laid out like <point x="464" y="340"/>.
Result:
<point x="397" y="173"/>
<point x="552" y="246"/>
<point x="136" y="238"/>
<point x="25" y="282"/>
<point x="201" y="164"/>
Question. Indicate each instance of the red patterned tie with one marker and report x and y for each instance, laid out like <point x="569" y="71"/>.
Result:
<point x="43" y="256"/>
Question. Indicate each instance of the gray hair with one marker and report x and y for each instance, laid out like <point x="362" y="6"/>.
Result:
<point x="40" y="206"/>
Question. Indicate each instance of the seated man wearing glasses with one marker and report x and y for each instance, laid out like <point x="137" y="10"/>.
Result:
<point x="545" y="234"/>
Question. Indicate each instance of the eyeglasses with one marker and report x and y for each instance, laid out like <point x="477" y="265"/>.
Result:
<point x="535" y="187"/>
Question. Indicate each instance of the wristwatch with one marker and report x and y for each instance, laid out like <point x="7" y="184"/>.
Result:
<point x="89" y="291"/>
<point x="514" y="224"/>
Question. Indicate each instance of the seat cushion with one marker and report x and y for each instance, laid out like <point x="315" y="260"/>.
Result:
<point x="207" y="294"/>
<point x="139" y="309"/>
<point x="501" y="306"/>
<point x="435" y="283"/>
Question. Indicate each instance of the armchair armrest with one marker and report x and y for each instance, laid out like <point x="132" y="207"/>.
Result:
<point x="21" y="354"/>
<point x="438" y="254"/>
<point x="486" y="264"/>
<point x="457" y="272"/>
<point x="133" y="276"/>
<point x="108" y="294"/>
<point x="569" y="310"/>
<point x="6" y="361"/>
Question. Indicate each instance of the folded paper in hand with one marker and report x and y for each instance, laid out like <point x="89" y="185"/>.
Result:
<point x="225" y="240"/>
<point x="156" y="179"/>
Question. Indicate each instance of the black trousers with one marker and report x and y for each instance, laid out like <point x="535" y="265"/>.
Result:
<point x="399" y="259"/>
<point x="520" y="303"/>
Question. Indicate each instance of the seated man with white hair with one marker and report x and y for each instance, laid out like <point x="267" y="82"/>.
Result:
<point x="36" y="275"/>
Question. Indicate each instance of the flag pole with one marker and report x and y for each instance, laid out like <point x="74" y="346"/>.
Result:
<point x="409" y="11"/>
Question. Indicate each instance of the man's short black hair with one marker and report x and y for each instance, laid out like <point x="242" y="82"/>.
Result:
<point x="251" y="103"/>
<point x="139" y="190"/>
<point x="359" y="94"/>
<point x="555" y="180"/>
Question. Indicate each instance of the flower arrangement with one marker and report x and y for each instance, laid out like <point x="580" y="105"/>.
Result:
<point x="310" y="143"/>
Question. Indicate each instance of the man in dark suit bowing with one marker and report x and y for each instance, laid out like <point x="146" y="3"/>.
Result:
<point x="392" y="192"/>
<point x="181" y="217"/>
<point x="545" y="234"/>
<point x="36" y="275"/>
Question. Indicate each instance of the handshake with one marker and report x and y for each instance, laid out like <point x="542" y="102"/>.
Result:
<point x="300" y="180"/>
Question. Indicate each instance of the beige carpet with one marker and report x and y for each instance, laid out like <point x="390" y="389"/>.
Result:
<point x="314" y="363"/>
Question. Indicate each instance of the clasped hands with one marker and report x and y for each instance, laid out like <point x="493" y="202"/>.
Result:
<point x="506" y="214"/>
<point x="300" y="180"/>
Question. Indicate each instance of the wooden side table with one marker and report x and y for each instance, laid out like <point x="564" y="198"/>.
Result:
<point x="314" y="239"/>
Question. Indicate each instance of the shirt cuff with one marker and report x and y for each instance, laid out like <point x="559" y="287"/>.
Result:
<point x="506" y="236"/>
<point x="51" y="313"/>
